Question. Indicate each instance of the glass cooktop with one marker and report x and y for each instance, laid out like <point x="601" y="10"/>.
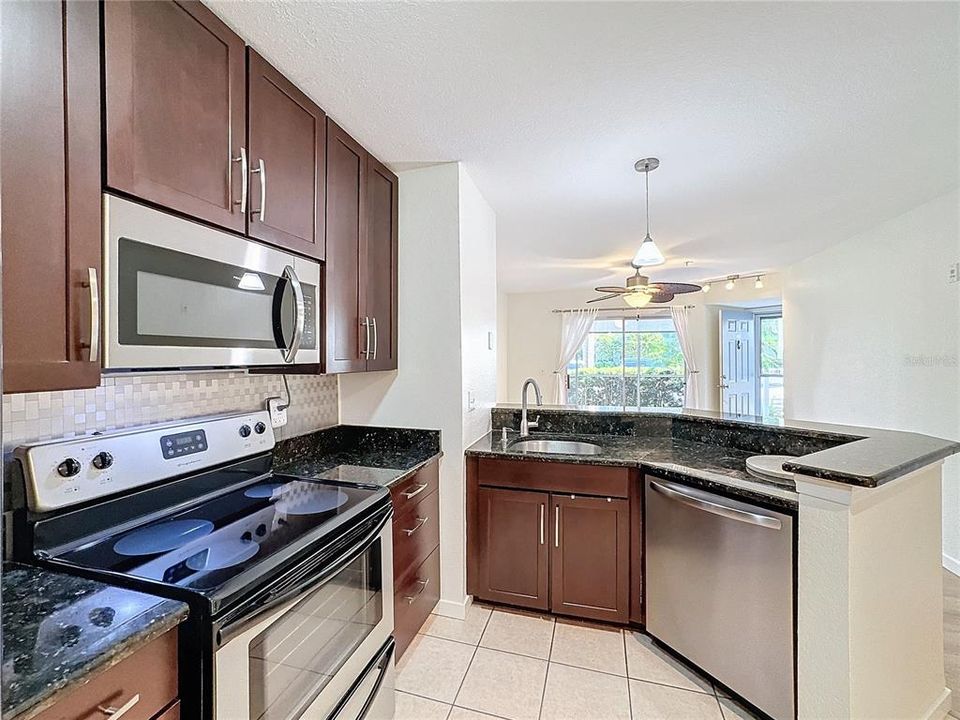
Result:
<point x="206" y="545"/>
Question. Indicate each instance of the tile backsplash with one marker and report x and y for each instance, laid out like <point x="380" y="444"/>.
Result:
<point x="129" y="400"/>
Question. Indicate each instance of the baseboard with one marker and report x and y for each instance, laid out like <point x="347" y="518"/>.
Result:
<point x="456" y="609"/>
<point x="940" y="707"/>
<point x="951" y="564"/>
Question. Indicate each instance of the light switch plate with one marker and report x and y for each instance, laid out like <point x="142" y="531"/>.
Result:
<point x="953" y="273"/>
<point x="471" y="401"/>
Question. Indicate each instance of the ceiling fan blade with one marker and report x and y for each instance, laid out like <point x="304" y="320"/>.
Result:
<point x="615" y="289"/>
<point x="675" y="288"/>
<point x="605" y="297"/>
<point x="661" y="297"/>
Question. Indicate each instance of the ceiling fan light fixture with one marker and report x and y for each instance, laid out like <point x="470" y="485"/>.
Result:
<point x="648" y="254"/>
<point x="637" y="299"/>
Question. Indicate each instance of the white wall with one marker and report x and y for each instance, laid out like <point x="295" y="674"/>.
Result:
<point x="872" y="330"/>
<point x="447" y="303"/>
<point x="533" y="332"/>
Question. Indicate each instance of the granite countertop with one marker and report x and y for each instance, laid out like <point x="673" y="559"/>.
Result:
<point x="58" y="630"/>
<point x="866" y="457"/>
<point x="359" y="454"/>
<point x="708" y="466"/>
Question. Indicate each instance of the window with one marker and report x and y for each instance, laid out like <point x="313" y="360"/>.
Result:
<point x="628" y="362"/>
<point x="770" y="347"/>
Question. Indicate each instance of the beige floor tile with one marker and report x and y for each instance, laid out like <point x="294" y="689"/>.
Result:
<point x="575" y="694"/>
<point x="503" y="684"/>
<point x="520" y="633"/>
<point x="434" y="668"/>
<point x="647" y="662"/>
<point x="468" y="630"/>
<point x="732" y="710"/>
<point x="413" y="707"/>
<point x="659" y="702"/>
<point x="459" y="713"/>
<point x="588" y="646"/>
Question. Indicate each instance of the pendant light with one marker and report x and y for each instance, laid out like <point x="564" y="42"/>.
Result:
<point x="648" y="253"/>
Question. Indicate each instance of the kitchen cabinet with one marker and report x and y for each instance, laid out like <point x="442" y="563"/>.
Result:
<point x="145" y="683"/>
<point x="286" y="156"/>
<point x="175" y="108"/>
<point x="361" y="267"/>
<point x="552" y="536"/>
<point x="416" y="555"/>
<point x="51" y="209"/>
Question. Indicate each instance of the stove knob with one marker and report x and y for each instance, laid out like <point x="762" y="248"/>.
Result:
<point x="244" y="431"/>
<point x="102" y="460"/>
<point x="68" y="468"/>
<point x="247" y="537"/>
<point x="259" y="428"/>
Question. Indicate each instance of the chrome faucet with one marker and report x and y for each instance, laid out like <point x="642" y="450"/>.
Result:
<point x="525" y="426"/>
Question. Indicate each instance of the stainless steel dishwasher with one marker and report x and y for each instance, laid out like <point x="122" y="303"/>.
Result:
<point x="719" y="589"/>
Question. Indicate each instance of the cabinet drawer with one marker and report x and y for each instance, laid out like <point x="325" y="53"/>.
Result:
<point x="597" y="480"/>
<point x="417" y="594"/>
<point x="150" y="673"/>
<point x="409" y="492"/>
<point x="416" y="534"/>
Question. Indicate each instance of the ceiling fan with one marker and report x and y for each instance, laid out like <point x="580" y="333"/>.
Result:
<point x="639" y="290"/>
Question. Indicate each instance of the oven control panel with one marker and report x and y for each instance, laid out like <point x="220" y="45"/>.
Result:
<point x="66" y="472"/>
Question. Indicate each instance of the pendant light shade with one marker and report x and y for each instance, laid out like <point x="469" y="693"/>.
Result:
<point x="648" y="254"/>
<point x="637" y="299"/>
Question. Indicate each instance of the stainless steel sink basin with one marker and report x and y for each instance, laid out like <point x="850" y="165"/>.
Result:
<point x="558" y="447"/>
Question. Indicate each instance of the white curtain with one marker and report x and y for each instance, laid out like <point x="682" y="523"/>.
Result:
<point x="573" y="332"/>
<point x="691" y="395"/>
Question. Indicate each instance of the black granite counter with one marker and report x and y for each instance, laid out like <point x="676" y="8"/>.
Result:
<point x="711" y="467"/>
<point x="361" y="454"/>
<point x="867" y="457"/>
<point x="58" y="630"/>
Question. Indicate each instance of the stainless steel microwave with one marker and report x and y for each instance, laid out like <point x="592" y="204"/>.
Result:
<point x="179" y="294"/>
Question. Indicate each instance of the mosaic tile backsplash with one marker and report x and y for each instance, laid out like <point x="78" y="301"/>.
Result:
<point x="125" y="401"/>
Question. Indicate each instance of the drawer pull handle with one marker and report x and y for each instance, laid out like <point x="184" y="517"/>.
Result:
<point x="413" y="493"/>
<point x="420" y="523"/>
<point x="418" y="593"/>
<point x="118" y="712"/>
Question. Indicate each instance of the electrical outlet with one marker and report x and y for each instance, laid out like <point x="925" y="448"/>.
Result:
<point x="489" y="340"/>
<point x="953" y="273"/>
<point x="278" y="413"/>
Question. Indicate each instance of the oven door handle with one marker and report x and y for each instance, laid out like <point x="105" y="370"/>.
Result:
<point x="381" y="663"/>
<point x="250" y="613"/>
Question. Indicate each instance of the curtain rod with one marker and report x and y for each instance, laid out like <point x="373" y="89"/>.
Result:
<point x="629" y="310"/>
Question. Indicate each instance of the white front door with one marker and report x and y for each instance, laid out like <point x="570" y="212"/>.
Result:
<point x="738" y="362"/>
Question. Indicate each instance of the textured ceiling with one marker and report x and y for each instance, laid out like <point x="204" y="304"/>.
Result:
<point x="781" y="127"/>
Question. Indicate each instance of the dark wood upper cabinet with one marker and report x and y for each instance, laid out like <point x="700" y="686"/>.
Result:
<point x="381" y="264"/>
<point x="50" y="185"/>
<point x="175" y="108"/>
<point x="286" y="150"/>
<point x="344" y="282"/>
<point x="513" y="552"/>
<point x="590" y="557"/>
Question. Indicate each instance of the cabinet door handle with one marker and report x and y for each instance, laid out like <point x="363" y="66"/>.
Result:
<point x="418" y="593"/>
<point x="420" y="523"/>
<point x="413" y="493"/>
<point x="115" y="713"/>
<point x="556" y="526"/>
<point x="376" y="341"/>
<point x="244" y="169"/>
<point x="93" y="286"/>
<point x="542" y="509"/>
<point x="261" y="170"/>
<point x="365" y="324"/>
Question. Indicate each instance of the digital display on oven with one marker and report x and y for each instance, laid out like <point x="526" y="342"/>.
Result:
<point x="184" y="443"/>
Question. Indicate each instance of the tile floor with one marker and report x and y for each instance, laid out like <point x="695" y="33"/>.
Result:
<point x="518" y="666"/>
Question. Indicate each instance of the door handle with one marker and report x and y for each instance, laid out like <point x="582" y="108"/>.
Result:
<point x="94" y="288"/>
<point x="420" y="523"/>
<point x="115" y="713"/>
<point x="261" y="170"/>
<point x="376" y="341"/>
<point x="715" y="508"/>
<point x="243" y="179"/>
<point x="365" y="324"/>
<point x="291" y="275"/>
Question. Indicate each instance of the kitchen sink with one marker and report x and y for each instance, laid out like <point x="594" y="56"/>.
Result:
<point x="558" y="447"/>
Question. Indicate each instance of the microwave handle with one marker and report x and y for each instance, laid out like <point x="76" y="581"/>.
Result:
<point x="291" y="352"/>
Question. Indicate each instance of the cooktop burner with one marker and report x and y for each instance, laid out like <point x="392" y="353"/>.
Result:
<point x="162" y="537"/>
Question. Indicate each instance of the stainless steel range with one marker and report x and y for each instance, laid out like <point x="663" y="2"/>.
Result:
<point x="289" y="580"/>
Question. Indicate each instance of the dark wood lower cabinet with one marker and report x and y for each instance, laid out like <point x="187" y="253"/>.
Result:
<point x="590" y="558"/>
<point x="568" y="553"/>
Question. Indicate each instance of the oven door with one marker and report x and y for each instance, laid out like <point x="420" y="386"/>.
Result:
<point x="327" y="652"/>
<point x="180" y="294"/>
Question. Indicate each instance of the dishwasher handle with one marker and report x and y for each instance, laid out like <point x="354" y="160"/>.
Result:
<point x="752" y="518"/>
